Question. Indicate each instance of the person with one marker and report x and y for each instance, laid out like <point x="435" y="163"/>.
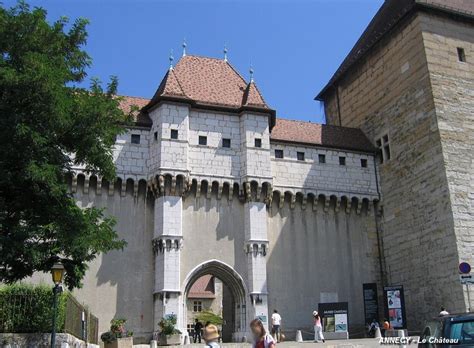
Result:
<point x="260" y="337"/>
<point x="276" y="325"/>
<point x="197" y="331"/>
<point x="386" y="327"/>
<point x="211" y="336"/>
<point x="443" y="312"/>
<point x="374" y="325"/>
<point x="318" y="327"/>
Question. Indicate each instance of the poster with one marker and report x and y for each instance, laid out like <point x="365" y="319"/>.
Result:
<point x="395" y="306"/>
<point x="334" y="316"/>
<point x="371" y="305"/>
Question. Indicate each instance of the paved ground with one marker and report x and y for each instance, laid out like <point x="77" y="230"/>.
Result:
<point x="353" y="343"/>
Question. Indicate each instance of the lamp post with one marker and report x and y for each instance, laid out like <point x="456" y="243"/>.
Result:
<point x="57" y="272"/>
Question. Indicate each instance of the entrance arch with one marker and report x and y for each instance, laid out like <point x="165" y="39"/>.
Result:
<point x="235" y="283"/>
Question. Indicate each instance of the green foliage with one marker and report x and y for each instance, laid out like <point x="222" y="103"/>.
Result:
<point x="207" y="316"/>
<point x="168" y="325"/>
<point x="117" y="330"/>
<point x="27" y="308"/>
<point x="44" y="117"/>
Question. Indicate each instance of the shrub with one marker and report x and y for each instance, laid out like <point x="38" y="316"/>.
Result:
<point x="210" y="317"/>
<point x="117" y="330"/>
<point x="167" y="325"/>
<point x="28" y="308"/>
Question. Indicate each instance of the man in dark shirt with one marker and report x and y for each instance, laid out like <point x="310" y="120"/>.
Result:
<point x="197" y="331"/>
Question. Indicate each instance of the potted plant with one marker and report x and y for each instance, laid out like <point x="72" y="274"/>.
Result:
<point x="169" y="335"/>
<point x="118" y="336"/>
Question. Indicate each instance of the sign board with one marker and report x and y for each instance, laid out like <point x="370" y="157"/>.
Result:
<point x="394" y="299"/>
<point x="371" y="306"/>
<point x="334" y="316"/>
<point x="466" y="279"/>
<point x="464" y="268"/>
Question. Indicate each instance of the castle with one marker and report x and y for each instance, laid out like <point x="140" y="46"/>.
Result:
<point x="290" y="214"/>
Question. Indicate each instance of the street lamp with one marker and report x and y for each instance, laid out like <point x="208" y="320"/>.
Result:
<point x="57" y="272"/>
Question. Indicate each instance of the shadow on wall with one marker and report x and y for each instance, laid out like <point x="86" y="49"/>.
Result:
<point x="322" y="249"/>
<point x="119" y="284"/>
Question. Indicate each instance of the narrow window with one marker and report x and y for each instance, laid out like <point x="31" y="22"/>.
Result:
<point x="363" y="162"/>
<point x="383" y="146"/>
<point x="174" y="134"/>
<point x="322" y="158"/>
<point x="226" y="142"/>
<point x="135" y="138"/>
<point x="278" y="153"/>
<point x="461" y="54"/>
<point x="300" y="156"/>
<point x="342" y="161"/>
<point x="155" y="136"/>
<point x="258" y="142"/>
<point x="202" y="140"/>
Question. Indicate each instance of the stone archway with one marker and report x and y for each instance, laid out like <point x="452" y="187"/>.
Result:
<point x="235" y="284"/>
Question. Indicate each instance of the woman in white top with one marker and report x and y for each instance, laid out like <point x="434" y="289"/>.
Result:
<point x="318" y="327"/>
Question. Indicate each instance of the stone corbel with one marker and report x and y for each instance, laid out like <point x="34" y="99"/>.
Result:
<point x="86" y="184"/>
<point x="348" y="206"/>
<point x="315" y="204"/>
<point x="135" y="188"/>
<point x="231" y="192"/>
<point x="161" y="184"/>
<point x="74" y="184"/>
<point x="292" y="201"/>
<point x="247" y="191"/>
<point x="303" y="203"/>
<point x="209" y="191"/>
<point x="359" y="206"/>
<point x="111" y="188"/>
<point x="282" y="200"/>
<point x="98" y="190"/>
<point x="123" y="190"/>
<point x="337" y="207"/>
<point x="219" y="191"/>
<point x="173" y="185"/>
<point x="327" y="201"/>
<point x="198" y="189"/>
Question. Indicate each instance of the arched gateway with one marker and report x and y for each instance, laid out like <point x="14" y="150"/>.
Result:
<point x="235" y="284"/>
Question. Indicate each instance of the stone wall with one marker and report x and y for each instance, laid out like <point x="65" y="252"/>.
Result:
<point x="452" y="83"/>
<point x="389" y="92"/>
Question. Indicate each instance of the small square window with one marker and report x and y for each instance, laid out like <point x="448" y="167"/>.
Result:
<point x="461" y="54"/>
<point x="322" y="158"/>
<point x="300" y="156"/>
<point x="363" y="162"/>
<point x="226" y="142"/>
<point x="278" y="153"/>
<point x="197" y="306"/>
<point x="135" y="139"/>
<point x="202" y="140"/>
<point x="258" y="142"/>
<point x="174" y="134"/>
<point x="342" y="161"/>
<point x="155" y="136"/>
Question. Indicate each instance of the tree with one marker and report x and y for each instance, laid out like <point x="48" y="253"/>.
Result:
<point x="44" y="117"/>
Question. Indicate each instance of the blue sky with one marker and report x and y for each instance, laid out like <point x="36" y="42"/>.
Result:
<point x="294" y="46"/>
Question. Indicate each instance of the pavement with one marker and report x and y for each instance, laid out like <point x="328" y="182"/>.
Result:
<point x="351" y="343"/>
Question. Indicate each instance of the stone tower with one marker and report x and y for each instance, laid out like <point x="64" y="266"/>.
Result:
<point x="408" y="83"/>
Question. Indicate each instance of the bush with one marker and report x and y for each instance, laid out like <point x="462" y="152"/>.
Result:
<point x="117" y="330"/>
<point x="26" y="308"/>
<point x="210" y="317"/>
<point x="167" y="325"/>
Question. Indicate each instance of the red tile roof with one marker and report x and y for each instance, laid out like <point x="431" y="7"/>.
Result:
<point x="203" y="288"/>
<point x="321" y="135"/>
<point x="140" y="118"/>
<point x="209" y="82"/>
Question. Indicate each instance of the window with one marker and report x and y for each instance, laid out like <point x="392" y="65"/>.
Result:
<point x="322" y="158"/>
<point x="226" y="142"/>
<point x="202" y="140"/>
<point x="383" y="145"/>
<point x="300" y="156"/>
<point x="174" y="134"/>
<point x="135" y="138"/>
<point x="363" y="162"/>
<point x="258" y="142"/>
<point x="342" y="161"/>
<point x="197" y="306"/>
<point x="278" y="153"/>
<point x="461" y="54"/>
<point x="155" y="136"/>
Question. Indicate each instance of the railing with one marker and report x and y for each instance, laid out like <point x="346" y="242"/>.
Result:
<point x="28" y="309"/>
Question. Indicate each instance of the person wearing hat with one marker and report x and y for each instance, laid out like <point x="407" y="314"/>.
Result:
<point x="211" y="336"/>
<point x="318" y="327"/>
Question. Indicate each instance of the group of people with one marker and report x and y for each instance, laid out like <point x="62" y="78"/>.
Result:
<point x="261" y="339"/>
